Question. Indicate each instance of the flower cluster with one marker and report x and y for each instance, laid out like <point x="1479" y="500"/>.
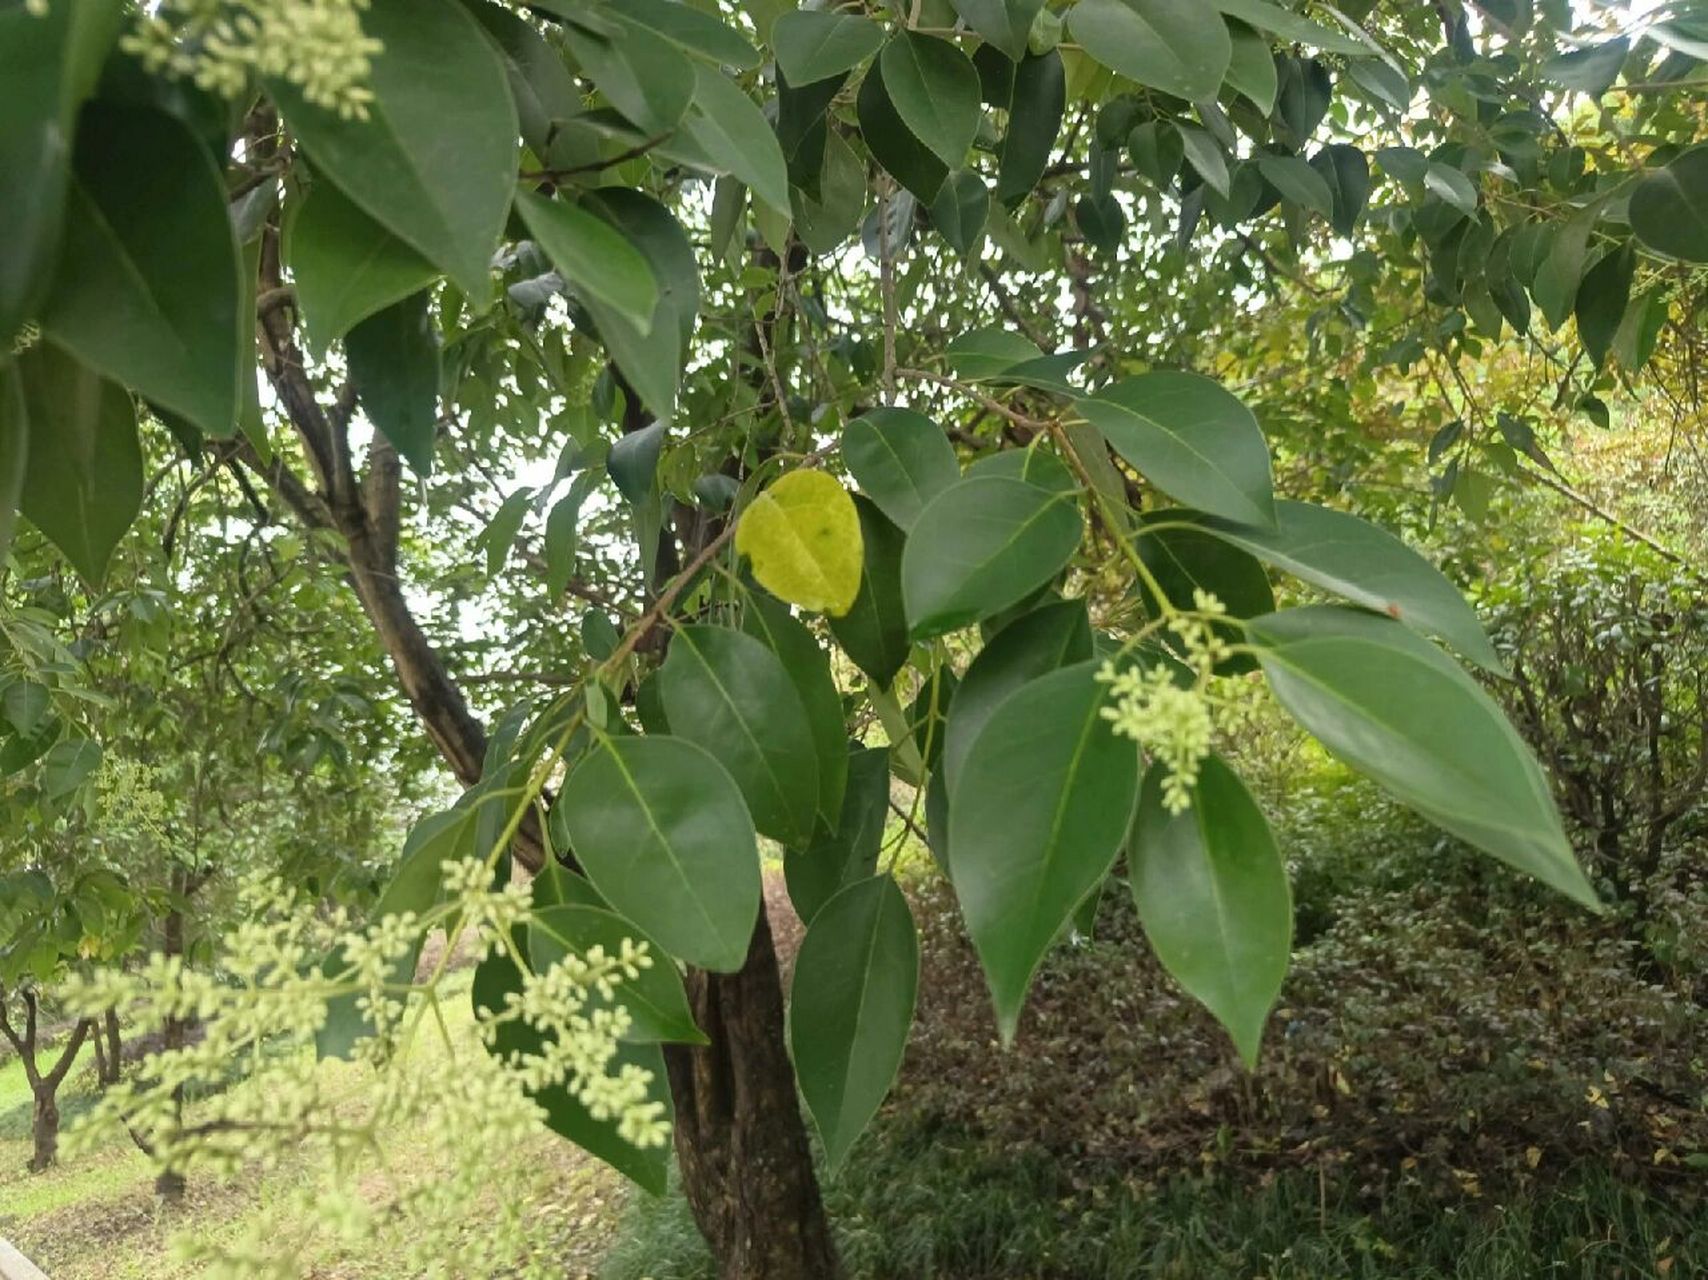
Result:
<point x="490" y="913"/>
<point x="1172" y="721"/>
<point x="316" y="45"/>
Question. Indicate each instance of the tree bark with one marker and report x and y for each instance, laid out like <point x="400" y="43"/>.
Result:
<point x="169" y="1183"/>
<point x="746" y="1165"/>
<point x="44" y="1131"/>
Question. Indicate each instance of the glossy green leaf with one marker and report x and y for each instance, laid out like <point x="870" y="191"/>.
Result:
<point x="901" y="460"/>
<point x="1591" y="69"/>
<point x="691" y="30"/>
<point x="442" y="106"/>
<point x="67" y="765"/>
<point x="655" y="1001"/>
<point x="935" y="91"/>
<point x="813" y="45"/>
<point x="825" y="221"/>
<point x="733" y="133"/>
<point x="1395" y="707"/>
<point x="344" y="265"/>
<point x="14" y="456"/>
<point x="1185" y="561"/>
<point x="1050" y="637"/>
<point x="1294" y="27"/>
<point x="1602" y="300"/>
<point x="662" y="831"/>
<point x="1347" y="173"/>
<point x="730" y="694"/>
<point x="1171" y="45"/>
<point x="1212" y="893"/>
<point x="873" y="633"/>
<point x="49" y="62"/>
<point x="648" y="79"/>
<point x="594" y="258"/>
<point x="1297" y="182"/>
<point x="1035" y="106"/>
<point x="147" y="288"/>
<point x="960" y="211"/>
<point x="850" y="1008"/>
<point x="803" y="537"/>
<point x="982" y="545"/>
<point x="544" y="91"/>
<point x="1251" y="72"/>
<point x="1005" y="23"/>
<point x="845" y="850"/>
<point x="1365" y="564"/>
<point x="770" y="622"/>
<point x="893" y="144"/>
<point x="1036" y="819"/>
<point x="497" y="978"/>
<point x="1192" y="439"/>
<point x="394" y="363"/>
<point x="82" y="465"/>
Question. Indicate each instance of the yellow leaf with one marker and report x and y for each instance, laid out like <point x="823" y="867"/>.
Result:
<point x="803" y="536"/>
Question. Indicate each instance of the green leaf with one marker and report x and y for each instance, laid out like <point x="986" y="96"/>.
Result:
<point x="987" y="353"/>
<point x="656" y="1002"/>
<point x="49" y="62"/>
<point x="1393" y="706"/>
<point x="1292" y="27"/>
<point x="1602" y="300"/>
<point x="892" y="144"/>
<point x="982" y="545"/>
<point x="1347" y="172"/>
<point x="650" y="357"/>
<point x="544" y="91"/>
<point x="593" y="257"/>
<point x="345" y="266"/>
<point x="1036" y="820"/>
<point x="1590" y="70"/>
<point x="812" y="45"/>
<point x="394" y="363"/>
<point x="1297" y="182"/>
<point x="803" y="536"/>
<point x="846" y="850"/>
<point x="1192" y="439"/>
<point x="500" y="535"/>
<point x="1205" y="156"/>
<point x="1560" y="274"/>
<point x="147" y="289"/>
<point x="644" y="76"/>
<point x="82" y="464"/>
<point x="1212" y="893"/>
<point x="1005" y="23"/>
<point x="935" y="91"/>
<point x="435" y="160"/>
<point x="901" y="460"/>
<point x="850" y="1008"/>
<point x="1161" y="44"/>
<point x="497" y="978"/>
<point x="1186" y="561"/>
<point x="808" y="665"/>
<point x="632" y="463"/>
<point x="1447" y="183"/>
<point x="1052" y="636"/>
<point x="1252" y="69"/>
<point x="15" y="453"/>
<point x="696" y="32"/>
<point x="67" y="765"/>
<point x="1363" y="563"/>
<point x="960" y="210"/>
<point x="825" y="221"/>
<point x="1035" y="107"/>
<point x="662" y="832"/>
<point x="873" y="633"/>
<point x="733" y="133"/>
<point x="728" y="693"/>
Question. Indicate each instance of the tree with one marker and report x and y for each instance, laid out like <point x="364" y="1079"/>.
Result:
<point x="456" y="263"/>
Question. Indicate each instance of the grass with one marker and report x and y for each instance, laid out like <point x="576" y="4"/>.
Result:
<point x="97" y="1218"/>
<point x="918" y="1202"/>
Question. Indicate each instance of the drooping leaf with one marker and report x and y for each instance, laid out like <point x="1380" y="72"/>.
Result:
<point x="68" y="764"/>
<point x="960" y="210"/>
<point x="901" y="460"/>
<point x="1395" y="707"/>
<point x="803" y="536"/>
<point x="345" y="266"/>
<point x="594" y="258"/>
<point x="1005" y="23"/>
<point x="825" y="221"/>
<point x="1035" y="107"/>
<point x="1365" y="564"/>
<point x="934" y="89"/>
<point x="1036" y="818"/>
<point x="434" y="162"/>
<point x="893" y="145"/>
<point x="648" y="79"/>
<point x="1212" y="893"/>
<point x="1171" y="45"/>
<point x="873" y="633"/>
<point x="1297" y="182"/>
<point x="49" y="62"/>
<point x="1293" y="27"/>
<point x="82" y="464"/>
<point x="730" y="694"/>
<point x="662" y="831"/>
<point x="1050" y="637"/>
<point x="1251" y="71"/>
<point x="845" y="850"/>
<point x="851" y="1006"/>
<point x="147" y="288"/>
<point x="731" y="130"/>
<point x="1347" y="172"/>
<point x="981" y="545"/>
<point x="1602" y="300"/>
<point x="655" y="1001"/>
<point x="693" y="31"/>
<point x="541" y="85"/>
<point x="813" y="45"/>
<point x="1192" y="438"/>
<point x="394" y="362"/>
<point x="808" y="665"/>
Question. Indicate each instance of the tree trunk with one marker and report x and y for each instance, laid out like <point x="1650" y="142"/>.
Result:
<point x="114" y="1062"/>
<point x="746" y="1165"/>
<point x="168" y="1183"/>
<point x="44" y="1127"/>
